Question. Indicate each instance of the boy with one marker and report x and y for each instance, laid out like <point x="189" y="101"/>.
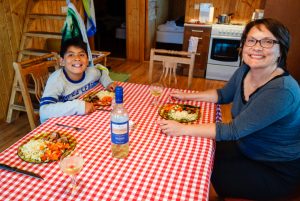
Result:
<point x="65" y="85"/>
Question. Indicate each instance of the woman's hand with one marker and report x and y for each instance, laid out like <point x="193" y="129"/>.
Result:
<point x="178" y="95"/>
<point x="89" y="107"/>
<point x="172" y="128"/>
<point x="112" y="86"/>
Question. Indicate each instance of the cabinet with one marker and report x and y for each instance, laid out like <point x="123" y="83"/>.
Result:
<point x="203" y="34"/>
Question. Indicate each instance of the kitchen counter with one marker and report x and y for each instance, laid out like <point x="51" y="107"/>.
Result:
<point x="197" y="25"/>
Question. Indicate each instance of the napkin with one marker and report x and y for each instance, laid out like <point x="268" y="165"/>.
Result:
<point x="193" y="44"/>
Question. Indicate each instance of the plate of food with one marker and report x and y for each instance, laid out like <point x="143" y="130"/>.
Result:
<point x="47" y="147"/>
<point x="182" y="113"/>
<point x="101" y="98"/>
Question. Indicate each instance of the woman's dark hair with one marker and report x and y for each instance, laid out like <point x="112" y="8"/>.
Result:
<point x="280" y="32"/>
<point x="77" y="42"/>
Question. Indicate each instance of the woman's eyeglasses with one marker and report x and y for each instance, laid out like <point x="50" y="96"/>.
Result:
<point x="265" y="43"/>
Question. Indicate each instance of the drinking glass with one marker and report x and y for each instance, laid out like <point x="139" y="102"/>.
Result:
<point x="156" y="90"/>
<point x="71" y="165"/>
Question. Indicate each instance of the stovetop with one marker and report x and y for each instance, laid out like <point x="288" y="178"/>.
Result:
<point x="227" y="29"/>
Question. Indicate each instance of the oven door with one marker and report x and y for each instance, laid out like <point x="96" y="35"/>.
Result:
<point x="224" y="50"/>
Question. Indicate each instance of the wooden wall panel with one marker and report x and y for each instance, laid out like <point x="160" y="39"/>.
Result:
<point x="190" y="12"/>
<point x="287" y="12"/>
<point x="242" y="9"/>
<point x="11" y="24"/>
<point x="49" y="7"/>
<point x="135" y="28"/>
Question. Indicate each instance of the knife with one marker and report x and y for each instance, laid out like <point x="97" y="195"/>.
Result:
<point x="14" y="169"/>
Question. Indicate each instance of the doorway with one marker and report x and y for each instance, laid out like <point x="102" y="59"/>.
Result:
<point x="170" y="24"/>
<point x="111" y="27"/>
<point x="159" y="12"/>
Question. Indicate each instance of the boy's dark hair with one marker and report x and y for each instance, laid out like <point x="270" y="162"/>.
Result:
<point x="77" y="42"/>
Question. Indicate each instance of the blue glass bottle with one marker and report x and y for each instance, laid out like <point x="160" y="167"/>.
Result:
<point x="119" y="127"/>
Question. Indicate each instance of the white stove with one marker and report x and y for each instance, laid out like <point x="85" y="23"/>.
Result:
<point x="223" y="56"/>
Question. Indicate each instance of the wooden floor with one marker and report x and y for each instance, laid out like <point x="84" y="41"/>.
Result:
<point x="10" y="133"/>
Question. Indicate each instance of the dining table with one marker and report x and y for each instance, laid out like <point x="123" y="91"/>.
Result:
<point x="158" y="167"/>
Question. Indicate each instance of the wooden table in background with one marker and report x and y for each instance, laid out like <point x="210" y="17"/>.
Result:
<point x="100" y="56"/>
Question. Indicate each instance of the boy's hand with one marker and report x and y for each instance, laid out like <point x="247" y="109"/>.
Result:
<point x="112" y="86"/>
<point x="89" y="107"/>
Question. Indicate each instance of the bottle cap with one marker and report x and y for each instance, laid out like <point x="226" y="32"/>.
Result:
<point x="119" y="94"/>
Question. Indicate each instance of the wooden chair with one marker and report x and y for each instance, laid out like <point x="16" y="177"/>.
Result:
<point x="32" y="76"/>
<point x="170" y="59"/>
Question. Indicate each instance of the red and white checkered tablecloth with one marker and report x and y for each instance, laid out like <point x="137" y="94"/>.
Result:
<point x="159" y="167"/>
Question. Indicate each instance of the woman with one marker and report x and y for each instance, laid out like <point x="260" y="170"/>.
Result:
<point x="258" y="152"/>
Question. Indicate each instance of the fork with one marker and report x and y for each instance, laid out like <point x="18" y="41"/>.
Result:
<point x="67" y="126"/>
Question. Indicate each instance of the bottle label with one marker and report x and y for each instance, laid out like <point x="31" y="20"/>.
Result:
<point x="119" y="132"/>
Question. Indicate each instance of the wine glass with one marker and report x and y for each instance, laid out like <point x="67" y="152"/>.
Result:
<point x="71" y="165"/>
<point x="156" y="90"/>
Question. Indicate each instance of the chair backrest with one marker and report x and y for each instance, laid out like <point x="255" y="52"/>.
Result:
<point x="33" y="74"/>
<point x="170" y="59"/>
